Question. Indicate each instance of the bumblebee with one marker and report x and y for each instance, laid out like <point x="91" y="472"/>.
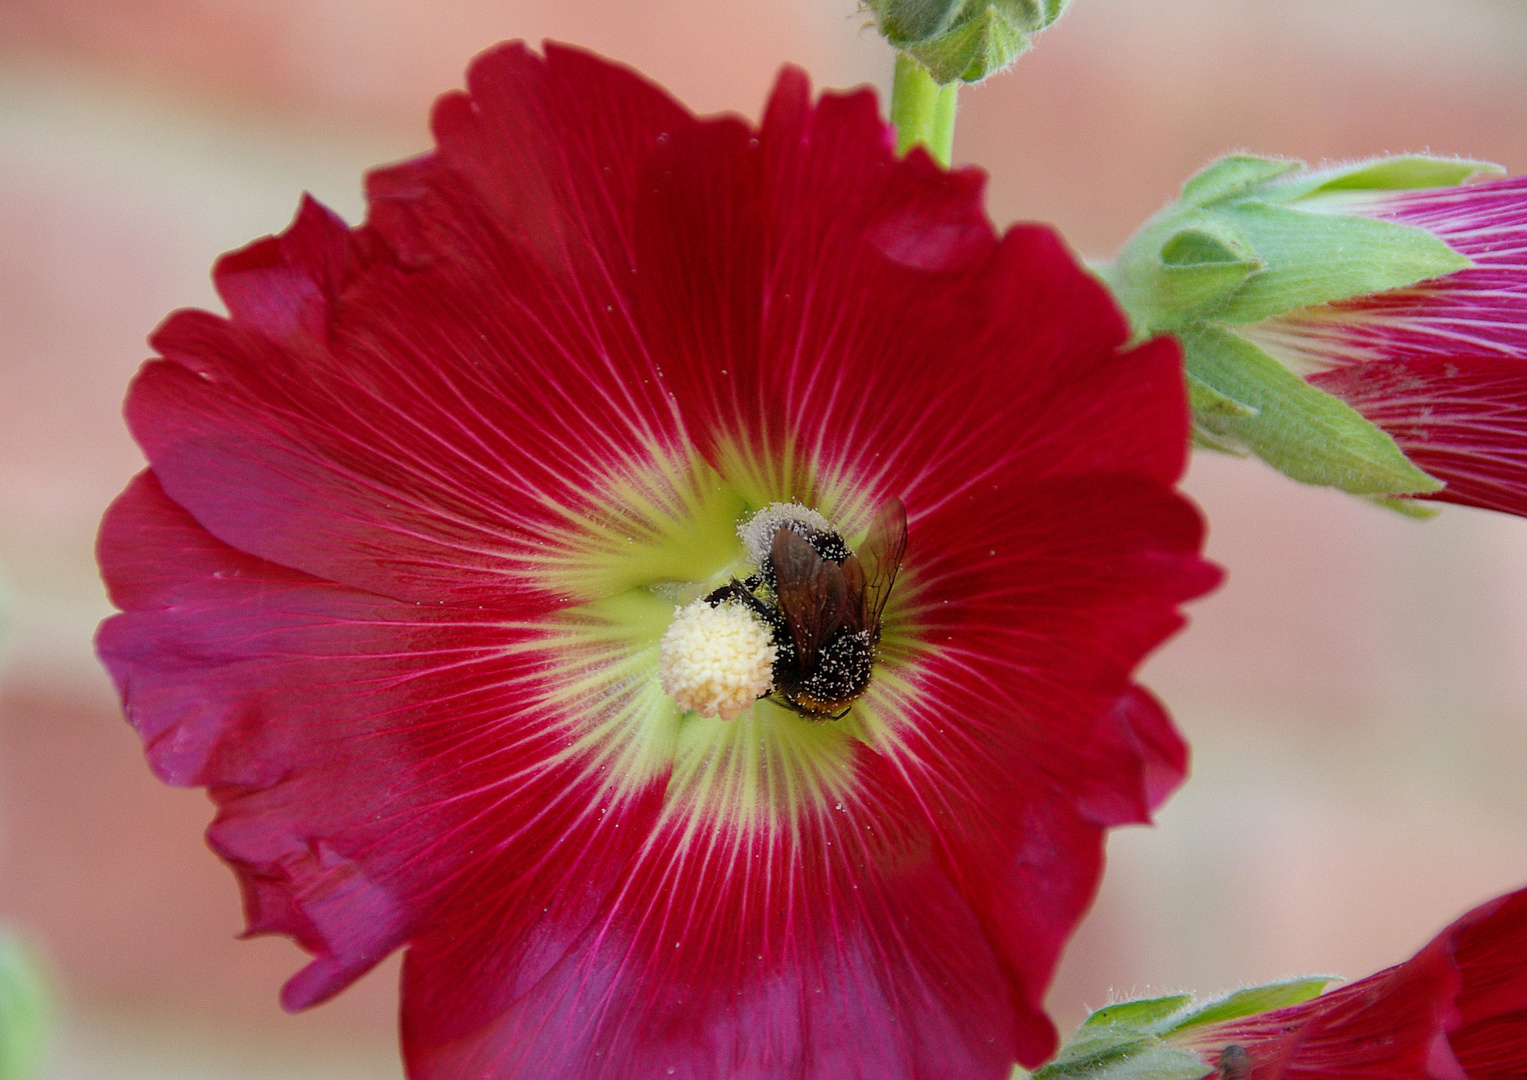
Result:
<point x="824" y="604"/>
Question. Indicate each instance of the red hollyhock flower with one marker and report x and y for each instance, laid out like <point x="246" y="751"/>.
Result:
<point x="1440" y="366"/>
<point x="398" y="586"/>
<point x="1457" y="1010"/>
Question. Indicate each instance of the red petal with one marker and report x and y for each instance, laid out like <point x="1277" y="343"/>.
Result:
<point x="538" y="161"/>
<point x="1079" y="576"/>
<point x="1022" y="736"/>
<point x="1461" y="418"/>
<point x="812" y="293"/>
<point x="835" y="952"/>
<point x="467" y="369"/>
<point x="1138" y="732"/>
<point x="1457" y="1010"/>
<point x="1389" y="1026"/>
<point x="1490" y="949"/>
<point x="286" y="285"/>
<point x="371" y="760"/>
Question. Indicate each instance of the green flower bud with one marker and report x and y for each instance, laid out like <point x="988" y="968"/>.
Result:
<point x="964" y="40"/>
<point x="1253" y="238"/>
<point x="1142" y="1040"/>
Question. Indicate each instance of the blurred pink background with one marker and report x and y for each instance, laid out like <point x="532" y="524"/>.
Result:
<point x="1356" y="695"/>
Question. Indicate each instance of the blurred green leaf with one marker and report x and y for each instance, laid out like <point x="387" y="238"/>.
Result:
<point x="25" y="1010"/>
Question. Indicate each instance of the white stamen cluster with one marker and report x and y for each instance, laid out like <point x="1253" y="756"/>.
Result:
<point x="758" y="531"/>
<point x="716" y="660"/>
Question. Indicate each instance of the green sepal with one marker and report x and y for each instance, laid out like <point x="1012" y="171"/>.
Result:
<point x="1206" y="400"/>
<point x="1285" y="179"/>
<point x="1411" y="508"/>
<point x="1313" y="257"/>
<point x="1210" y="244"/>
<point x="973" y="50"/>
<point x="1299" y="430"/>
<point x="1255" y="237"/>
<point x="1253" y="1000"/>
<point x="1179" y="266"/>
<point x="1205" y="264"/>
<point x="1138" y="1040"/>
<point x="1122" y="1042"/>
<point x="1405" y="173"/>
<point x="1139" y="1014"/>
<point x="25" y="1011"/>
<point x="966" y="40"/>
<point x="1200" y="439"/>
<point x="1234" y="175"/>
<point x="1244" y="260"/>
<point x="1090" y="1047"/>
<point x="1150" y="1061"/>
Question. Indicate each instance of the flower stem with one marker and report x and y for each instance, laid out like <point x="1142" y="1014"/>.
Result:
<point x="922" y="111"/>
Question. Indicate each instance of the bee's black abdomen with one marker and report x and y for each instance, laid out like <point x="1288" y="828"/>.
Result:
<point x="784" y="657"/>
<point x="829" y="545"/>
<point x="840" y="675"/>
<point x="842" y="669"/>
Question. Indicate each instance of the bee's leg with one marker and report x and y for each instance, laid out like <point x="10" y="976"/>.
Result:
<point x="722" y="595"/>
<point x="739" y="591"/>
<point x="745" y="594"/>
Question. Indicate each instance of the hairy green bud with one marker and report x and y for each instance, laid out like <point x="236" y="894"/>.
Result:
<point x="1253" y="238"/>
<point x="965" y="40"/>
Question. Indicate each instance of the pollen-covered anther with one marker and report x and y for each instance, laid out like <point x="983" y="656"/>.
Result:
<point x="757" y="533"/>
<point x="716" y="659"/>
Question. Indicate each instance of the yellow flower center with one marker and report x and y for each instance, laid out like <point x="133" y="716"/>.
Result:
<point x="642" y="692"/>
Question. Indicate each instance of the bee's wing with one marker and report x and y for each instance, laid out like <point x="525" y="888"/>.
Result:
<point x="811" y="592"/>
<point x="881" y="553"/>
<point x="856" y="606"/>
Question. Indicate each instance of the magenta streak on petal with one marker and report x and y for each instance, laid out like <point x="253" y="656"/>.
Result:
<point x="1478" y="311"/>
<point x="1463" y="419"/>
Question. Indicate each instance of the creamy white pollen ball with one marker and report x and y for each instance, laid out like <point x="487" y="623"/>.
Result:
<point x="716" y="660"/>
